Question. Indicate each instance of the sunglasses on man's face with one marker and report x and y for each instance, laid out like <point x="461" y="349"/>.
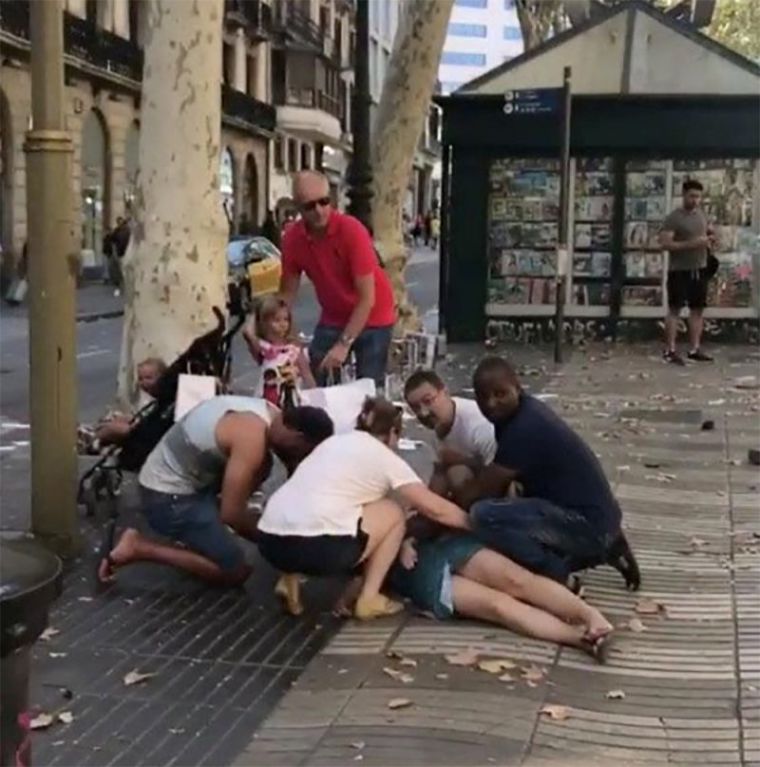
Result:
<point x="307" y="207"/>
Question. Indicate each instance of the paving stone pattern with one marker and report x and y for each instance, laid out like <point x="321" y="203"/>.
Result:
<point x="690" y="679"/>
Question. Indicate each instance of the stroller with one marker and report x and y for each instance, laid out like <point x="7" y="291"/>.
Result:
<point x="210" y="354"/>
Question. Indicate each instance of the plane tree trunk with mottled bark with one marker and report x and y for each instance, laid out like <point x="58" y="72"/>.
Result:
<point x="175" y="267"/>
<point x="403" y="108"/>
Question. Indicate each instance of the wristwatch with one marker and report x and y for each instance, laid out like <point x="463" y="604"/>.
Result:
<point x="347" y="340"/>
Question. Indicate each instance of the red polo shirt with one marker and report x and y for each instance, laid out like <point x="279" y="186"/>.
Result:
<point x="333" y="262"/>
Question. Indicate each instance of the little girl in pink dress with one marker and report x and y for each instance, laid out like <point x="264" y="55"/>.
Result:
<point x="284" y="367"/>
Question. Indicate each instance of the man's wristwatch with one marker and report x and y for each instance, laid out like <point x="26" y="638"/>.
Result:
<point x="346" y="340"/>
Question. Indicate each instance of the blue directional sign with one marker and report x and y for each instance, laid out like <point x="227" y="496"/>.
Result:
<point x="539" y="101"/>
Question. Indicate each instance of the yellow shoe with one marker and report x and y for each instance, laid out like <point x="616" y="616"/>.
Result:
<point x="377" y="607"/>
<point x="288" y="588"/>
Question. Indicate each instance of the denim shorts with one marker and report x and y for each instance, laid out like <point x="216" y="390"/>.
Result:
<point x="194" y="521"/>
<point x="429" y="583"/>
<point x="371" y="350"/>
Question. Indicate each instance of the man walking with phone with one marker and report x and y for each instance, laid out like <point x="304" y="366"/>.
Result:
<point x="335" y="252"/>
<point x="686" y="236"/>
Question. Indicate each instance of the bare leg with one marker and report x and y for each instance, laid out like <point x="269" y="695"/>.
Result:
<point x="288" y="588"/>
<point x="671" y="330"/>
<point x="502" y="574"/>
<point x="344" y="607"/>
<point x="134" y="547"/>
<point x="384" y="523"/>
<point x="696" y="323"/>
<point x="474" y="600"/>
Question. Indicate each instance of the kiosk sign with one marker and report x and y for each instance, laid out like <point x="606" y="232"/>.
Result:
<point x="540" y="101"/>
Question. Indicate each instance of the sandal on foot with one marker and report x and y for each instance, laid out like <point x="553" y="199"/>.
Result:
<point x="288" y="588"/>
<point x="598" y="647"/>
<point x="377" y="607"/>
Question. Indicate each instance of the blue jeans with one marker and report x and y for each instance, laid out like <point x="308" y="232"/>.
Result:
<point x="540" y="536"/>
<point x="194" y="521"/>
<point x="371" y="349"/>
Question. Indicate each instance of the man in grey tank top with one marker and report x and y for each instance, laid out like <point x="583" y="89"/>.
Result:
<point x="197" y="481"/>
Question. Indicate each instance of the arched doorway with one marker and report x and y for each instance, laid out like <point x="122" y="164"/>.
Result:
<point x="131" y="155"/>
<point x="6" y="188"/>
<point x="227" y="186"/>
<point x="95" y="188"/>
<point x="250" y="219"/>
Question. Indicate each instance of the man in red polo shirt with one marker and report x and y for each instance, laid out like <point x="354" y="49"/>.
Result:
<point x="335" y="252"/>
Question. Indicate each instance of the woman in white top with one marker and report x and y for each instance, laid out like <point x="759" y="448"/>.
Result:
<point x="334" y="513"/>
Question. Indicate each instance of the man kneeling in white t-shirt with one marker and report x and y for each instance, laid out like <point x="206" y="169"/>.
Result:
<point x="466" y="438"/>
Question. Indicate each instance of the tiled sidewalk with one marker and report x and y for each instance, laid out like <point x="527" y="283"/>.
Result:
<point x="689" y="680"/>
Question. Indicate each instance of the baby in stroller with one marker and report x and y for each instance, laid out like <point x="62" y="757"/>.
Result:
<point x="284" y="367"/>
<point x="115" y="427"/>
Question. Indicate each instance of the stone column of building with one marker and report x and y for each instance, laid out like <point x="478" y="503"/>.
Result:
<point x="121" y="18"/>
<point x="239" y="76"/>
<point x="77" y="7"/>
<point x="261" y="86"/>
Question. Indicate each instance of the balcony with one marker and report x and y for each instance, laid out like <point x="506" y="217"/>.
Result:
<point x="312" y="114"/>
<point x="295" y="29"/>
<point x="254" y="15"/>
<point x="241" y="106"/>
<point x="14" y="17"/>
<point x="101" y="48"/>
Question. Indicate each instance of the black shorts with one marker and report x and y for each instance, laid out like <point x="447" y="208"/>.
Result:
<point x="313" y="554"/>
<point x="687" y="288"/>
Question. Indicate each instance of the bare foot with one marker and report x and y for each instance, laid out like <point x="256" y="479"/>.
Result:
<point x="597" y="626"/>
<point x="124" y="552"/>
<point x="288" y="588"/>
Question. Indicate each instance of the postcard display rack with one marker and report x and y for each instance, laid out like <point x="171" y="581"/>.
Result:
<point x="523" y="212"/>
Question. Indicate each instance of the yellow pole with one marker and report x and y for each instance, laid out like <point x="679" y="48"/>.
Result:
<point x="53" y="265"/>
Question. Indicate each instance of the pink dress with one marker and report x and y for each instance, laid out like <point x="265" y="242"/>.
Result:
<point x="273" y="358"/>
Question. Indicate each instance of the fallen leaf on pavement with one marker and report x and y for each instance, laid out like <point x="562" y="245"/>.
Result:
<point x="41" y="722"/>
<point x="532" y="673"/>
<point x="496" y="665"/>
<point x="615" y="695"/>
<point x="49" y="633"/>
<point x="468" y="657"/>
<point x="410" y="662"/>
<point x="85" y="599"/>
<point x="135" y="677"/>
<point x="556" y="712"/>
<point x="441" y="676"/>
<point x="636" y="625"/>
<point x="392" y="672"/>
<point x="358" y="745"/>
<point x="66" y="717"/>
<point x="506" y="678"/>
<point x="648" y="606"/>
<point x="394" y="655"/>
<point x="697" y="543"/>
<point x="395" y="703"/>
<point x="56" y="654"/>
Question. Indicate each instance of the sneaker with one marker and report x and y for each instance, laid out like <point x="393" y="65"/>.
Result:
<point x="697" y="355"/>
<point x="673" y="357"/>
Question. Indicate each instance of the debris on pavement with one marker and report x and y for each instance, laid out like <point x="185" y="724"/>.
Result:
<point x="136" y="677"/>
<point x="646" y="606"/>
<point x="395" y="703"/>
<point x="49" y="633"/>
<point x="496" y="665"/>
<point x="468" y="657"/>
<point x="615" y="695"/>
<point x="556" y="712"/>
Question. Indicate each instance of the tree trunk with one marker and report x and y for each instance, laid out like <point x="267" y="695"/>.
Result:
<point x="403" y="108"/>
<point x="175" y="268"/>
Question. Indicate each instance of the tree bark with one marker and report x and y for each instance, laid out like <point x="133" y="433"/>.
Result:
<point x="403" y="108"/>
<point x="175" y="267"/>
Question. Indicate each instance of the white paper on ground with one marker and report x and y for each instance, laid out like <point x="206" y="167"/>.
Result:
<point x="191" y="391"/>
<point x="343" y="402"/>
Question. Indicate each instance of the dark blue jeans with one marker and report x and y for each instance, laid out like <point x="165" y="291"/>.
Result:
<point x="540" y="536"/>
<point x="371" y="349"/>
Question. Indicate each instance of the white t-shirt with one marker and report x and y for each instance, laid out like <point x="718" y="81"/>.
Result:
<point x="326" y="493"/>
<point x="471" y="434"/>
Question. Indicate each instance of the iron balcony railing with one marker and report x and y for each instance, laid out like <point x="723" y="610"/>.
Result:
<point x="247" y="108"/>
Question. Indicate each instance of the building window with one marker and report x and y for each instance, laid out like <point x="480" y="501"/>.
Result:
<point x="472" y="3"/>
<point x="292" y="155"/>
<point x="463" y="59"/>
<point x="512" y="33"/>
<point x="467" y="30"/>
<point x="228" y="64"/>
<point x="279" y="153"/>
<point x="305" y="163"/>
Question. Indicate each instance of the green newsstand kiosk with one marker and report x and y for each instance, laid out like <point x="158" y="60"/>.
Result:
<point x="654" y="102"/>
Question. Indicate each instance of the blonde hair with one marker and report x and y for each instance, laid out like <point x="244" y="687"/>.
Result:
<point x="268" y="308"/>
<point x="379" y="417"/>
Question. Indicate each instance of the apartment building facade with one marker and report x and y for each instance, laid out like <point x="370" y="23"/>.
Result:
<point x="482" y="34"/>
<point x="284" y="94"/>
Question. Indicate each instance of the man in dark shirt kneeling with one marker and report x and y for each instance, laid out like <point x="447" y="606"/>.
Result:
<point x="568" y="519"/>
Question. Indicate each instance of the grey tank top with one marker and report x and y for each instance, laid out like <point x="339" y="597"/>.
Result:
<point x="188" y="460"/>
